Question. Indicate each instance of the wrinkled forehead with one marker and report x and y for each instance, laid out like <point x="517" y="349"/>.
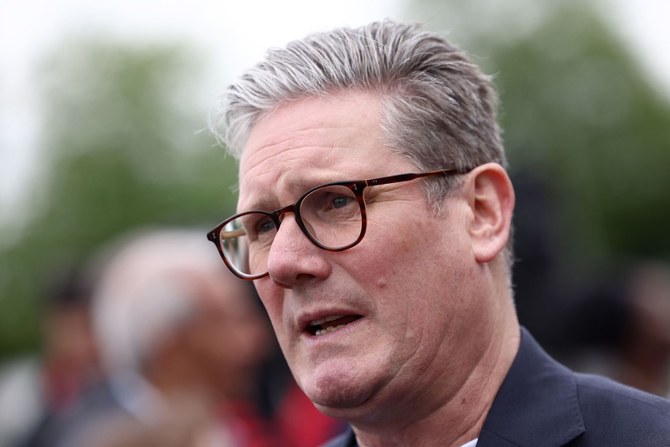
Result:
<point x="311" y="141"/>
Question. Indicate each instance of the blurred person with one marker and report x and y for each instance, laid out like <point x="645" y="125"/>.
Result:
<point x="645" y="353"/>
<point x="374" y="219"/>
<point x="621" y="327"/>
<point x="36" y="389"/>
<point x="179" y="338"/>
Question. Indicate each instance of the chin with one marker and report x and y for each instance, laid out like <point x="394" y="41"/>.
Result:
<point x="335" y="392"/>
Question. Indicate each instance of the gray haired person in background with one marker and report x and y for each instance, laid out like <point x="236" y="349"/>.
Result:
<point x="180" y="339"/>
<point x="375" y="218"/>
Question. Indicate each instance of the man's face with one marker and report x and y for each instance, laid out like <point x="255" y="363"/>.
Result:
<point x="413" y="318"/>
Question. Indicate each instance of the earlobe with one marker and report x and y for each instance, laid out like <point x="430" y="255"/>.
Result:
<point x="491" y="198"/>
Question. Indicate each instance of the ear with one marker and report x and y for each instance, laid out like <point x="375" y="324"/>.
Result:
<point x="491" y="200"/>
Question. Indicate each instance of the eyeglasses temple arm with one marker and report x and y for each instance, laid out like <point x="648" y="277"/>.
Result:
<point x="232" y="234"/>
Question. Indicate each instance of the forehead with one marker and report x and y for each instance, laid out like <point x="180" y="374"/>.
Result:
<point x="310" y="141"/>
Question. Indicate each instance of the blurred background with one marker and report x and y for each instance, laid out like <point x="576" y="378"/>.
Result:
<point x="103" y="129"/>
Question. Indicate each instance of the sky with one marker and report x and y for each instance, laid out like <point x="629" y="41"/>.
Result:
<point x="235" y="32"/>
<point x="644" y="23"/>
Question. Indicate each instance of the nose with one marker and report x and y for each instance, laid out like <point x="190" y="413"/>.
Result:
<point x="293" y="258"/>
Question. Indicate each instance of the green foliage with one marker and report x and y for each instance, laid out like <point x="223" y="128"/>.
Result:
<point x="576" y="107"/>
<point x="122" y="147"/>
<point x="578" y="112"/>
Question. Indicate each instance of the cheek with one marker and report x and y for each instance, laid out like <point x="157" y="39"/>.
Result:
<point x="420" y="275"/>
<point x="273" y="300"/>
<point x="410" y="259"/>
<point x="267" y="293"/>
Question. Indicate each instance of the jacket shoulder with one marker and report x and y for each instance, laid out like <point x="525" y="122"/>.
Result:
<point x="615" y="414"/>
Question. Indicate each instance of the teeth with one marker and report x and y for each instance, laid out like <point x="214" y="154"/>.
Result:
<point x="327" y="330"/>
<point x="316" y="324"/>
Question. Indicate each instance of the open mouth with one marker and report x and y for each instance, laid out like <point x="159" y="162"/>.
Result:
<point x="329" y="324"/>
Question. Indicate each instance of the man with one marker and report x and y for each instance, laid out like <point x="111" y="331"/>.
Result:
<point x="390" y="293"/>
<point x="621" y="326"/>
<point x="35" y="390"/>
<point x="180" y="341"/>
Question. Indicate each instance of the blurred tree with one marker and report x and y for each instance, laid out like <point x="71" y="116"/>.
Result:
<point x="576" y="103"/>
<point x="577" y="108"/>
<point x="587" y="135"/>
<point x="121" y="147"/>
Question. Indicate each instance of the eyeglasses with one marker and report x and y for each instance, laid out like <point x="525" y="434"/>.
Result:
<point x="332" y="216"/>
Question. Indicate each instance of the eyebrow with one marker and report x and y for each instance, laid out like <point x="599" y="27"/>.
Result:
<point x="296" y="186"/>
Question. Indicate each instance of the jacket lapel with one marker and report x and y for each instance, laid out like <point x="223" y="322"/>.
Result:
<point x="537" y="405"/>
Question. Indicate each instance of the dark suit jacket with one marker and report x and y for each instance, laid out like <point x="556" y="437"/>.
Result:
<point x="543" y="404"/>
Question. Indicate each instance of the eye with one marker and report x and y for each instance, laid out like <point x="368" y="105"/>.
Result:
<point x="329" y="199"/>
<point x="258" y="226"/>
<point x="332" y="203"/>
<point x="264" y="225"/>
<point x="339" y="201"/>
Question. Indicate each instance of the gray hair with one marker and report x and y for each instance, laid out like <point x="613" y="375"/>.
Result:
<point x="143" y="294"/>
<point x="438" y="108"/>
